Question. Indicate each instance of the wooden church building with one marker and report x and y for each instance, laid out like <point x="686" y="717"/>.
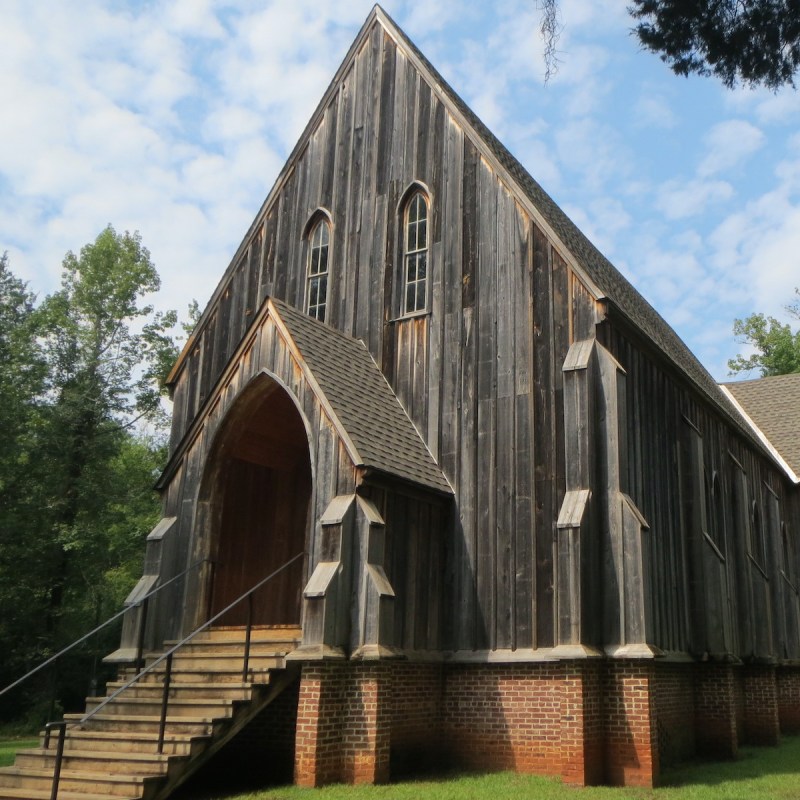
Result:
<point x="534" y="533"/>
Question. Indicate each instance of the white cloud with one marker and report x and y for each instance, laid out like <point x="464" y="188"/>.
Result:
<point x="729" y="144"/>
<point x="684" y="199"/>
<point x="653" y="111"/>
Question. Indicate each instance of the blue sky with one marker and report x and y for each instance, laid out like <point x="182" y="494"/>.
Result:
<point x="174" y="118"/>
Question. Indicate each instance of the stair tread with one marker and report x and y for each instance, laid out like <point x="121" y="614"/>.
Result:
<point x="136" y="736"/>
<point x="178" y="701"/>
<point x="22" y="793"/>
<point x="139" y="718"/>
<point x="79" y="774"/>
<point x="213" y="666"/>
<point x="116" y="755"/>
<point x="190" y="685"/>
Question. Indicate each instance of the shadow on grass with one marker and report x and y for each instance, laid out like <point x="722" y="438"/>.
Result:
<point x="752" y="763"/>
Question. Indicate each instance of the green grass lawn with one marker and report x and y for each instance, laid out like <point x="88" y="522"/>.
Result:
<point x="761" y="773"/>
<point x="8" y="747"/>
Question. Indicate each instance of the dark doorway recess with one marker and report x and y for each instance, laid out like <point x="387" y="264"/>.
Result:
<point x="263" y="488"/>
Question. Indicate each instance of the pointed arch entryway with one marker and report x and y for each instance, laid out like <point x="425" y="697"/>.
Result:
<point x="254" y="501"/>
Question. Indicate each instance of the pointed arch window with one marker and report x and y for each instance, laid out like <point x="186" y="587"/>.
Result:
<point x="319" y="239"/>
<point x="415" y="255"/>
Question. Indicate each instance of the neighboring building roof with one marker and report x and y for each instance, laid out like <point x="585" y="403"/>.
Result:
<point x="773" y="406"/>
<point x="383" y="435"/>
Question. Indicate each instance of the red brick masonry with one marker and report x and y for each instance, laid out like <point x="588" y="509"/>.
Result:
<point x="588" y="722"/>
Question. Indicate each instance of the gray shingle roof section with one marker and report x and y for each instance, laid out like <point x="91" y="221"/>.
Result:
<point x="774" y="406"/>
<point x="367" y="408"/>
<point x="599" y="269"/>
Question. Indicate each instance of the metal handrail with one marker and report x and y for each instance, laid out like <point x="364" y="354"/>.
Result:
<point x="165" y="657"/>
<point x="143" y="601"/>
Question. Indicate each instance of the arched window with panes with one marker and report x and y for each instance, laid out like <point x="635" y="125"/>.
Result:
<point x="414" y="285"/>
<point x="319" y="242"/>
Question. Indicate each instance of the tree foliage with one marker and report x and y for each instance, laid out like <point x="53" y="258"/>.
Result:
<point x="752" y="42"/>
<point x="748" y="41"/>
<point x="80" y="375"/>
<point x="776" y="347"/>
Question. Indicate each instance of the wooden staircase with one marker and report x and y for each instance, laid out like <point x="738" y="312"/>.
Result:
<point x="114" y="754"/>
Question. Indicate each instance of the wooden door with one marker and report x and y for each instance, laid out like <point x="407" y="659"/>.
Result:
<point x="265" y="488"/>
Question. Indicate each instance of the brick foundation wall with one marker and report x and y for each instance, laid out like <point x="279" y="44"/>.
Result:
<point x="738" y="693"/>
<point x="416" y="719"/>
<point x="366" y="724"/>
<point x="674" y="709"/>
<point x="582" y="724"/>
<point x="503" y="716"/>
<point x="343" y="723"/>
<point x="616" y="722"/>
<point x="631" y="736"/>
<point x="318" y="743"/>
<point x="788" y="680"/>
<point x="761" y="721"/>
<point x="719" y="709"/>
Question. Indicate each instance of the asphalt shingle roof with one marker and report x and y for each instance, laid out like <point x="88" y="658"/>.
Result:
<point x="382" y="433"/>
<point x="774" y="406"/>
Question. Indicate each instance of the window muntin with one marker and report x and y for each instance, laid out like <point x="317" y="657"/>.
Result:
<point x="415" y="255"/>
<point x="318" y="249"/>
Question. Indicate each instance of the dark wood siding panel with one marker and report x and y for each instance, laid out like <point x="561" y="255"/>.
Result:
<point x="733" y="605"/>
<point x="523" y="489"/>
<point x="486" y="397"/>
<point x="544" y="436"/>
<point x="506" y="354"/>
<point x="340" y="297"/>
<point x="269" y="254"/>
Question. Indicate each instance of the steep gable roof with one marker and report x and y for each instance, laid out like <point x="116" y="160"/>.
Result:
<point x="772" y="405"/>
<point x="378" y="432"/>
<point x="601" y="276"/>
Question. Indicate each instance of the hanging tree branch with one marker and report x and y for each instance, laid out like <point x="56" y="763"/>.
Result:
<point x="550" y="30"/>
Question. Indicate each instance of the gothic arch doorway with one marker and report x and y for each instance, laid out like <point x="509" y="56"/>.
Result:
<point x="259" y="490"/>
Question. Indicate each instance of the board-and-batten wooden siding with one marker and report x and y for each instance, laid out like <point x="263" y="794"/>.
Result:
<point x="705" y="596"/>
<point x="480" y="375"/>
<point x="500" y="298"/>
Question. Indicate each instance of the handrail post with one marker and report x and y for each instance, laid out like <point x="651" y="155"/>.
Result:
<point x="247" y="637"/>
<point x="62" y="731"/>
<point x="53" y="691"/>
<point x="141" y="632"/>
<point x="164" y="702"/>
<point x="212" y="566"/>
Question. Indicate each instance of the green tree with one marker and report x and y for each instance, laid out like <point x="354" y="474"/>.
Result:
<point x="22" y="375"/>
<point x="777" y="347"/>
<point x="753" y="42"/>
<point x="80" y="377"/>
<point x="104" y="375"/>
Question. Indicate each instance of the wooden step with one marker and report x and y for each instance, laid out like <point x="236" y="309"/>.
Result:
<point x="223" y="661"/>
<point x="120" y="762"/>
<point x="132" y="742"/>
<point x="9" y="793"/>
<point x="289" y="633"/>
<point x="217" y="666"/>
<point x="104" y="784"/>
<point x="187" y="690"/>
<point x="114" y="754"/>
<point x="151" y="707"/>
<point x="117" y="723"/>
